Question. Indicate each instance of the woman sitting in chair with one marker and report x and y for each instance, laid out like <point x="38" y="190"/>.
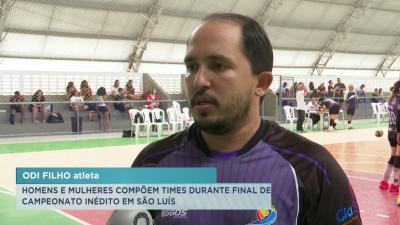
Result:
<point x="39" y="107"/>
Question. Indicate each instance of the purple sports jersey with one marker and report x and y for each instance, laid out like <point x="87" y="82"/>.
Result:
<point x="392" y="108"/>
<point x="351" y="100"/>
<point x="308" y="186"/>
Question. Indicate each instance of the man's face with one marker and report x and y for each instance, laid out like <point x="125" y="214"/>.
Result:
<point x="220" y="86"/>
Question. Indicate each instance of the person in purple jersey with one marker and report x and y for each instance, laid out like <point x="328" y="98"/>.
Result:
<point x="333" y="108"/>
<point x="393" y="166"/>
<point x="229" y="62"/>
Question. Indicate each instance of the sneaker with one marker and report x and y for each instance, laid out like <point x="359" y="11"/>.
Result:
<point x="350" y="128"/>
<point x="383" y="185"/>
<point x="330" y="129"/>
<point x="398" y="200"/>
<point x="394" y="188"/>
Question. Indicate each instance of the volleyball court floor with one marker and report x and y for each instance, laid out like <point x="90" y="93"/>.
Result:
<point x="361" y="154"/>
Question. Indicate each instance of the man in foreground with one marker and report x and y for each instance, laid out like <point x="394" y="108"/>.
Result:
<point x="229" y="63"/>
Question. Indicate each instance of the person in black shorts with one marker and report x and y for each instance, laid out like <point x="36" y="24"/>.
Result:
<point x="333" y="108"/>
<point x="393" y="166"/>
<point x="351" y="103"/>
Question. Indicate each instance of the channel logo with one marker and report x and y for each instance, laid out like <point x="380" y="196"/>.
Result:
<point x="265" y="217"/>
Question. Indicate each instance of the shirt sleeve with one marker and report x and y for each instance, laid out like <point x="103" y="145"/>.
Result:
<point x="335" y="203"/>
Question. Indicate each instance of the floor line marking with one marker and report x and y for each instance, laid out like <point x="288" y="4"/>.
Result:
<point x="362" y="162"/>
<point x="382" y="215"/>
<point x="57" y="211"/>
<point x="362" y="171"/>
<point x="363" y="178"/>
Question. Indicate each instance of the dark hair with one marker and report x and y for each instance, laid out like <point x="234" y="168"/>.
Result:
<point x="396" y="90"/>
<point x="36" y="97"/>
<point x="254" y="41"/>
<point x="101" y="91"/>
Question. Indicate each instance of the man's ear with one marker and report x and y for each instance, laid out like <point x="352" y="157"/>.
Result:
<point x="264" y="81"/>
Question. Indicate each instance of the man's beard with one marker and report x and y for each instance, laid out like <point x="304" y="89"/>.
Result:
<point x="231" y="114"/>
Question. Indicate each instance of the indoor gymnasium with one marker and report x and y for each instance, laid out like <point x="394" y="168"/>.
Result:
<point x="91" y="83"/>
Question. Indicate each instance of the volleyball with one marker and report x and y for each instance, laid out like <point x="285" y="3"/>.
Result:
<point x="379" y="133"/>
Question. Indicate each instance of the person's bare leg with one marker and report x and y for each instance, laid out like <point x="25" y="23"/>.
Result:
<point x="107" y="120"/>
<point x="101" y="115"/>
<point x="34" y="114"/>
<point x="44" y="113"/>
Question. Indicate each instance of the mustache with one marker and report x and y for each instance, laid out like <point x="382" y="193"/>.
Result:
<point x="202" y="94"/>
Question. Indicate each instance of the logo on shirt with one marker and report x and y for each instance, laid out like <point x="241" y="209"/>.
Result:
<point x="176" y="214"/>
<point x="265" y="217"/>
<point x="347" y="214"/>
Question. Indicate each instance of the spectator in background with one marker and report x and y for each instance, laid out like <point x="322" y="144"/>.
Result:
<point x="130" y="91"/>
<point x="86" y="94"/>
<point x="152" y="99"/>
<point x="351" y="103"/>
<point x="120" y="96"/>
<point x="77" y="102"/>
<point x="103" y="109"/>
<point x="321" y="88"/>
<point x="285" y="94"/>
<point x="361" y="93"/>
<point x="39" y="107"/>
<point x="381" y="95"/>
<point x="313" y="108"/>
<point x="375" y="96"/>
<point x="331" y="90"/>
<point x="281" y="89"/>
<point x="342" y="86"/>
<point x="330" y="85"/>
<point x="301" y="106"/>
<point x="114" y="88"/>
<point x="69" y="90"/>
<point x="293" y="90"/>
<point x="339" y="91"/>
<point x="14" y="108"/>
<point x="311" y="86"/>
<point x="86" y="91"/>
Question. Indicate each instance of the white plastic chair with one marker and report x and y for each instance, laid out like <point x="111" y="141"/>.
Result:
<point x="341" y="112"/>
<point x="374" y="110"/>
<point x="147" y="120"/>
<point x="174" y="120"/>
<point x="177" y="107"/>
<point x="159" y="120"/>
<point x="382" y="112"/>
<point x="187" y="119"/>
<point x="137" y="124"/>
<point x="289" y="113"/>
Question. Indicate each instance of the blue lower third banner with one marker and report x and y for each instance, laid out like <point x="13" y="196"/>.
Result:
<point x="135" y="188"/>
<point x="145" y="196"/>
